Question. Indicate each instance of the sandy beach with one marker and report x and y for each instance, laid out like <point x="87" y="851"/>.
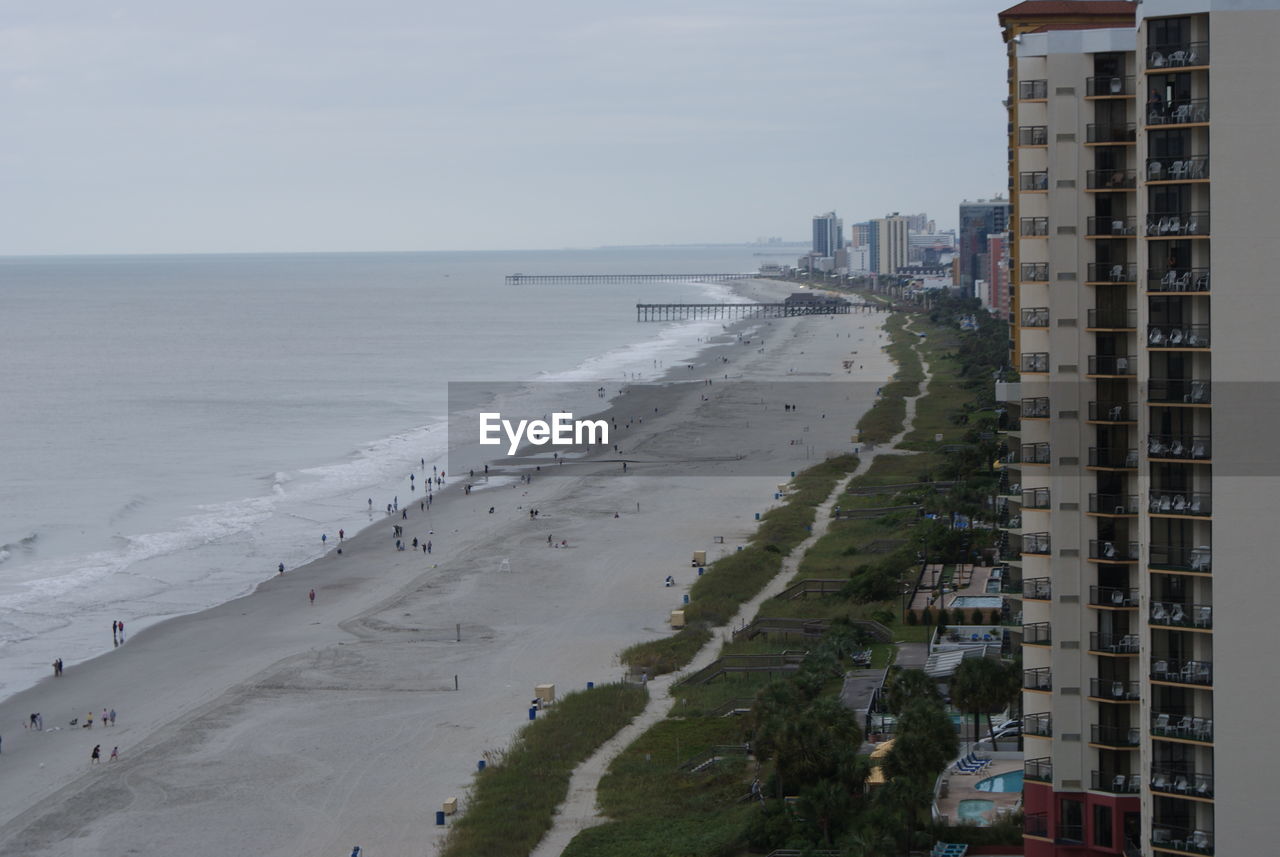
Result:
<point x="269" y="726"/>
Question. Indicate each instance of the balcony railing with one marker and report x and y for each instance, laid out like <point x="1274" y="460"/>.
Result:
<point x="1033" y="135"/>
<point x="1111" y="179"/>
<point x="1114" y="225"/>
<point x="1114" y="458"/>
<point x="1178" y="615"/>
<point x="1111" y="596"/>
<point x="1032" y="89"/>
<point x="1035" y="498"/>
<point x="1111" y="132"/>
<point x="1181" y="780"/>
<point x="1113" y="319"/>
<point x="1040" y="770"/>
<point x="1035" y="316"/>
<point x="1036" y="824"/>
<point x="1035" y="453"/>
<point x="1069" y="834"/>
<point x="1038" y="724"/>
<point x="1113" y="272"/>
<point x="1179" y="112"/>
<point x="1115" y="644"/>
<point x="1034" y="361"/>
<point x="1040" y="678"/>
<point x="1114" y="689"/>
<point x="1113" y="551"/>
<point x="1034" y="180"/>
<point x="1182" y="280"/>
<point x="1113" y="412"/>
<point x="1035" y="272"/>
<point x="1033" y="226"/>
<point x="1182" y="447"/>
<point x="1036" y="408"/>
<point x="1166" y="725"/>
<point x="1175" y="224"/>
<point x="1179" y="391"/>
<point x="1037" y="634"/>
<point x="1181" y="558"/>
<point x="1108" y="85"/>
<point x="1178" y="169"/>
<point x="1178" y="55"/>
<point x="1035" y="543"/>
<point x="1182" y="672"/>
<point x="1037" y="588"/>
<point x="1181" y="839"/>
<point x="1113" y="504"/>
<point x="1118" y="784"/>
<point x="1177" y="336"/>
<point x="1113" y="366"/>
<point x="1115" y="736"/>
<point x="1194" y="503"/>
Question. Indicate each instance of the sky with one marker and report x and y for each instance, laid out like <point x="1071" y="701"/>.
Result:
<point x="149" y="126"/>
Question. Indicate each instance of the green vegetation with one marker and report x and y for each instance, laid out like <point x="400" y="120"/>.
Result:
<point x="885" y="419"/>
<point x="513" y="800"/>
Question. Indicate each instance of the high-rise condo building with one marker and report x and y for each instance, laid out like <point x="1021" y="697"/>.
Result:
<point x="889" y="243"/>
<point x="1140" y="456"/>
<point x="828" y="234"/>
<point x="977" y="221"/>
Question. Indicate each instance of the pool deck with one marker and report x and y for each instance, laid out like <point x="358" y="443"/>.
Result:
<point x="961" y="787"/>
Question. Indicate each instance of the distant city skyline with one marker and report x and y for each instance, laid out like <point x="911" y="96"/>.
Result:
<point x="145" y="127"/>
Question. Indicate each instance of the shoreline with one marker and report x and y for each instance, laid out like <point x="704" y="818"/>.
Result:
<point x="275" y="711"/>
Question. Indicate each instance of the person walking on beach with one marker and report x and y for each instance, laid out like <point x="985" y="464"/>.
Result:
<point x="114" y="638"/>
<point x="112" y="717"/>
<point x="115" y="754"/>
<point x="57" y="668"/>
<point x="88" y="720"/>
<point x="312" y="596"/>
<point x="428" y="545"/>
<point x="281" y="567"/>
<point x="342" y="534"/>
<point x="96" y="756"/>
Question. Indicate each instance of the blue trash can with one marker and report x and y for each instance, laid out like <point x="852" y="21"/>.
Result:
<point x="533" y="713"/>
<point x="700" y="570"/>
<point x="440" y="818"/>
<point x="686" y="598"/>
<point x="739" y="547"/>
<point x="591" y="685"/>
<point x="757" y="516"/>
<point x="480" y="765"/>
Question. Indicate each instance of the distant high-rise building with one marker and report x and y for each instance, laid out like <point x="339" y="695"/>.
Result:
<point x="977" y="221"/>
<point x="889" y="243"/>
<point x="860" y="235"/>
<point x="996" y="297"/>
<point x="918" y="222"/>
<point x="828" y="234"/>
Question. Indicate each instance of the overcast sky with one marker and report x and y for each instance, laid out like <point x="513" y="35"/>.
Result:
<point x="160" y="126"/>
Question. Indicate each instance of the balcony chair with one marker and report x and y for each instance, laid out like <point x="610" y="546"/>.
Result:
<point x="1177" y="170"/>
<point x="1116" y="412"/>
<point x="1203" y="788"/>
<point x="1129" y="643"/>
<point x="1204" y="732"/>
<point x="1117" y="597"/>
<point x="1183" y="729"/>
<point x="1199" y="392"/>
<point x="1131" y="457"/>
<point x="1179" y="503"/>
<point x="1176" y="336"/>
<point x="1176" y="449"/>
<point x="1181" y="785"/>
<point x="1196" y="340"/>
<point x="1117" y="272"/>
<point x="1177" y="615"/>
<point x="1156" y="337"/>
<point x="1198" y="449"/>
<point x="1157" y="60"/>
<point x="1155" y="167"/>
<point x="1174" y="226"/>
<point x="1181" y="283"/>
<point x="1118" y="784"/>
<point x="1117" y="690"/>
<point x="1159" y="613"/>
<point x="1192" y="57"/>
<point x="1193" y="507"/>
<point x="1195" y="169"/>
<point x="1178" y="58"/>
<point x="1189" y="677"/>
<point x="1166" y="505"/>
<point x="1204" y="673"/>
<point x="1135" y="784"/>
<point x="1201" y="559"/>
<point x="1160" y="668"/>
<point x="1182" y="113"/>
<point x="1169" y="279"/>
<point x="1160" y="835"/>
<point x="1201" y="841"/>
<point x="1203" y="617"/>
<point x="1159" y="727"/>
<point x="1109" y="550"/>
<point x="1160" y="783"/>
<point x="1156" y="448"/>
<point x="1202" y="282"/>
<point x="1191" y="227"/>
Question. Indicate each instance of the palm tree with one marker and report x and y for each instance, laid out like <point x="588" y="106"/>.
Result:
<point x="981" y="686"/>
<point x="910" y="685"/>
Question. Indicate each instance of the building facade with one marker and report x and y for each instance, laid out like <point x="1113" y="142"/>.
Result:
<point x="828" y="234"/>
<point x="889" y="243"/>
<point x="978" y="220"/>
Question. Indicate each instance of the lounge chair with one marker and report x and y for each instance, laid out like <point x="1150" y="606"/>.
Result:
<point x="1159" y="727"/>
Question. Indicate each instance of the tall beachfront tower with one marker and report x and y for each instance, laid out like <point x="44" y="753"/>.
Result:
<point x="977" y="221"/>
<point x="828" y="234"/>
<point x="889" y="252"/>
<point x="1140" y="433"/>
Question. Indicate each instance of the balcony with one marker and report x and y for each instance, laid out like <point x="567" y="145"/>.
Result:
<point x="1111" y="180"/>
<point x="1035" y="316"/>
<point x="1108" y="272"/>
<point x="1181" y="780"/>
<point x="1040" y="770"/>
<point x="1037" y="589"/>
<point x="1035" y="498"/>
<point x="1179" y="391"/>
<point x="1035" y="543"/>
<point x="1175" y="615"/>
<point x="1181" y="558"/>
<point x="1033" y="181"/>
<point x="1194" y="503"/>
<point x="1112" y="319"/>
<point x="1189" y="168"/>
<point x="1037" y="361"/>
<point x="1113" y="412"/>
<point x="1033" y="90"/>
<point x="1116" y="226"/>
<point x="1113" y="458"/>
<point x="1037" y="227"/>
<point x="1178" y="336"/>
<point x="1037" y="634"/>
<point x="1177" y="224"/>
<point x="1188" y="112"/>
<point x="1038" y="724"/>
<point x="1104" y="550"/>
<point x="1181" y="839"/>
<point x="1069" y="834"/>
<point x="1185" y="280"/>
<point x="1110" y="596"/>
<point x="1035" y="272"/>
<point x="1036" y="824"/>
<point x="1035" y="453"/>
<point x="1178" y="55"/>
<point x="1111" y="132"/>
<point x="1038" y="679"/>
<point x="1114" y="690"/>
<point x="1033" y="135"/>
<point x="1102" y="86"/>
<point x="1183" y="726"/>
<point x="1199" y="673"/>
<point x="1116" y="784"/>
<point x="1111" y="366"/>
<point x="1113" y="644"/>
<point x="1180" y="447"/>
<point x="1036" y="408"/>
<point x="1115" y="736"/>
<point x="1120" y="505"/>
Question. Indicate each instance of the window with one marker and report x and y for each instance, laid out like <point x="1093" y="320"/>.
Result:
<point x="1102" y="832"/>
<point x="1071" y="820"/>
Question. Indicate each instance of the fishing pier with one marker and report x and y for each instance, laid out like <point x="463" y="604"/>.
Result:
<point x="735" y="311"/>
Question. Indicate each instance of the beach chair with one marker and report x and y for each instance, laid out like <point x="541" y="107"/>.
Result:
<point x="1160" y="782"/>
<point x="1118" y="784"/>
<point x="1183" y="729"/>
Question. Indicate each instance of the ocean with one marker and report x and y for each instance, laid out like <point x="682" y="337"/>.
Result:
<point x="173" y="427"/>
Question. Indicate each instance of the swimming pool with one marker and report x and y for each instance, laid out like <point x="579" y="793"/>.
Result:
<point x="988" y="601"/>
<point x="1010" y="782"/>
<point x="976" y="810"/>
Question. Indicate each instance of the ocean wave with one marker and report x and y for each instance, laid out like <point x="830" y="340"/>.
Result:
<point x="24" y="545"/>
